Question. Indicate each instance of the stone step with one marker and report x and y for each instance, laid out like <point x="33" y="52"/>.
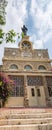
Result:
<point x="25" y="121"/>
<point x="25" y="116"/>
<point x="6" y="111"/>
<point x="27" y="127"/>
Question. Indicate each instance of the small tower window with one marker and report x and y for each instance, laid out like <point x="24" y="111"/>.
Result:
<point x="32" y="92"/>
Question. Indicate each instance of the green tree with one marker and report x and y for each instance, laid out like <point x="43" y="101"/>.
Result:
<point x="3" y="4"/>
<point x="1" y="36"/>
<point x="10" y="35"/>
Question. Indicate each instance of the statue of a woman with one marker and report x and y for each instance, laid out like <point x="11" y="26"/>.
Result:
<point x="24" y="30"/>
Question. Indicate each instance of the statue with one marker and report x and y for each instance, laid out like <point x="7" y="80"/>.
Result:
<point x="24" y="30"/>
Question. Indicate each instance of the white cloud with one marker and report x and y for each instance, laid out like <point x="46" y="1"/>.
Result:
<point x="16" y="14"/>
<point x="32" y="38"/>
<point x="36" y="43"/>
<point x="42" y="19"/>
<point x="47" y="37"/>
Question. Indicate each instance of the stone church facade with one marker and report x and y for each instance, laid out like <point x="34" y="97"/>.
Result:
<point x="31" y="70"/>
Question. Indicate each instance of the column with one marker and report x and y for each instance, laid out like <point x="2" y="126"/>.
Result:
<point x="26" y="100"/>
<point x="46" y="91"/>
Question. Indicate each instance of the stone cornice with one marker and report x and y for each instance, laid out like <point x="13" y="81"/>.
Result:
<point x="42" y="73"/>
<point x="27" y="59"/>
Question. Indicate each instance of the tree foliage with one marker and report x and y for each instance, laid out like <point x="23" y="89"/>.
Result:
<point x="1" y="36"/>
<point x="3" y="4"/>
<point x="2" y="22"/>
<point x="10" y="35"/>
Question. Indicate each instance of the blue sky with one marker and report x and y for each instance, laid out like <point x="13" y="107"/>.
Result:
<point x="37" y="16"/>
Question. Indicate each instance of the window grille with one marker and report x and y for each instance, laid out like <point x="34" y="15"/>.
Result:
<point x="41" y="67"/>
<point x="13" y="66"/>
<point x="27" y="67"/>
<point x="34" y="80"/>
<point x="49" y="84"/>
<point x="18" y="88"/>
<point x="50" y="91"/>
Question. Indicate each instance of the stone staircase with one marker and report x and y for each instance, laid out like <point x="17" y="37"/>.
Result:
<point x="25" y="119"/>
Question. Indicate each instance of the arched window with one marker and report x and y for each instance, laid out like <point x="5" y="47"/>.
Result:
<point x="13" y="66"/>
<point x="41" y="67"/>
<point x="27" y="67"/>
